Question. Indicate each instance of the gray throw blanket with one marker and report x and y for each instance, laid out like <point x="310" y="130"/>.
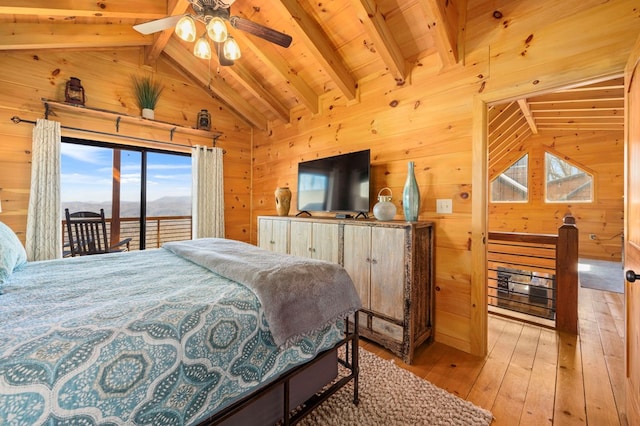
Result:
<point x="298" y="295"/>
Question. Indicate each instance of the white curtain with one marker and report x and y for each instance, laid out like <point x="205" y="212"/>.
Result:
<point x="44" y="223"/>
<point x="207" y="208"/>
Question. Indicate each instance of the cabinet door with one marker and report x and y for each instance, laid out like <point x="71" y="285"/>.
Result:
<point x="265" y="227"/>
<point x="315" y="240"/>
<point x="357" y="243"/>
<point x="280" y="236"/>
<point x="273" y="235"/>
<point x="301" y="238"/>
<point x="325" y="242"/>
<point x="387" y="271"/>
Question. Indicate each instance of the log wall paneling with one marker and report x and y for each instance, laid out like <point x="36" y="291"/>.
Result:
<point x="430" y="121"/>
<point x="436" y="119"/>
<point x="26" y="78"/>
<point x="600" y="153"/>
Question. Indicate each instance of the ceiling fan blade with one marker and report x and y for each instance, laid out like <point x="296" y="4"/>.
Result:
<point x="269" y="34"/>
<point x="157" y="25"/>
<point x="224" y="62"/>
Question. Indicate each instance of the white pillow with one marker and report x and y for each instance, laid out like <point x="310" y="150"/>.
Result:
<point x="12" y="253"/>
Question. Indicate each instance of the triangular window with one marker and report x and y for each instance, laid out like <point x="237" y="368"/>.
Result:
<point x="511" y="186"/>
<point x="565" y="182"/>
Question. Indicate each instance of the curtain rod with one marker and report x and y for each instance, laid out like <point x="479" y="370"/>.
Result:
<point x="18" y="120"/>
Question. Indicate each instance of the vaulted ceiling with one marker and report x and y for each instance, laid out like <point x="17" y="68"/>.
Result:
<point x="336" y="43"/>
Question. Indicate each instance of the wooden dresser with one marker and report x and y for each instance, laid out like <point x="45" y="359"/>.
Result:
<point x="391" y="264"/>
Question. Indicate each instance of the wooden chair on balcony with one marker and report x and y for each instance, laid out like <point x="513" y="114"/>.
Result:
<point x="87" y="234"/>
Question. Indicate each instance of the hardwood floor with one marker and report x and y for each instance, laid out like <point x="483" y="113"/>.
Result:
<point x="537" y="376"/>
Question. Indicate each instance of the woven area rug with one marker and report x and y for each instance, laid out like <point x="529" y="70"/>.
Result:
<point x="390" y="395"/>
<point x="601" y="275"/>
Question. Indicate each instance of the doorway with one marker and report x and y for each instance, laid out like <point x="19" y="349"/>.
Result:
<point x="481" y="205"/>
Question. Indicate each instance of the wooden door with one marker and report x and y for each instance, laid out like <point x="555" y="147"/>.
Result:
<point x="264" y="233"/>
<point x="273" y="235"/>
<point x="301" y="233"/>
<point x="388" y="271"/>
<point x="325" y="242"/>
<point x="632" y="234"/>
<point x="357" y="243"/>
<point x="280" y="236"/>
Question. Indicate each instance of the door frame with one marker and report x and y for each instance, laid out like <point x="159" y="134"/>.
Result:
<point x="479" y="319"/>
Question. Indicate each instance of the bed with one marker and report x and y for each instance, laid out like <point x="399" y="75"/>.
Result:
<point x="172" y="336"/>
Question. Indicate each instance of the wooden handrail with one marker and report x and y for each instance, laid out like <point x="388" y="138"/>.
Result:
<point x="522" y="237"/>
<point x="566" y="267"/>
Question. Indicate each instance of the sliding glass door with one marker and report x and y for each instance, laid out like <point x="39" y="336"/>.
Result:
<point x="145" y="194"/>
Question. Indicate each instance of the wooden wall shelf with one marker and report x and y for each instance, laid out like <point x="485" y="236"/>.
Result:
<point x="120" y="117"/>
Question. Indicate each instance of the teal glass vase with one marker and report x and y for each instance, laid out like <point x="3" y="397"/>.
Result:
<point x="411" y="196"/>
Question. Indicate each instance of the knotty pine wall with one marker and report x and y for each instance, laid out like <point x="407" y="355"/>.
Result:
<point x="599" y="153"/>
<point x="535" y="47"/>
<point x="27" y="77"/>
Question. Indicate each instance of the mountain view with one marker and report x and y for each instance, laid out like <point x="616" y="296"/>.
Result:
<point x="165" y="206"/>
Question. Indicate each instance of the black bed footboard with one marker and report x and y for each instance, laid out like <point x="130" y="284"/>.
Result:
<point x="279" y="401"/>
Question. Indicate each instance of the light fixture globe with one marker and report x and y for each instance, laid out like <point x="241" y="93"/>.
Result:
<point x="186" y="28"/>
<point x="231" y="49"/>
<point x="202" y="49"/>
<point x="217" y="30"/>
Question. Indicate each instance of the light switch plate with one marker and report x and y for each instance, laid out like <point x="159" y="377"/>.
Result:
<point x="444" y="206"/>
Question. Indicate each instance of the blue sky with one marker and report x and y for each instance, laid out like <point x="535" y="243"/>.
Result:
<point x="86" y="174"/>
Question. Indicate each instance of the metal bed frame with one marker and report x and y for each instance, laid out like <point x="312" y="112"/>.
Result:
<point x="292" y="415"/>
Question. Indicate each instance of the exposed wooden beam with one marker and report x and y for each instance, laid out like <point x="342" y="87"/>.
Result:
<point x="200" y="73"/>
<point x="320" y="47"/>
<point x="72" y="36"/>
<point x="383" y="40"/>
<point x="526" y="111"/>
<point x="443" y="22"/>
<point x="140" y="9"/>
<point x="267" y="53"/>
<point x="178" y="7"/>
<point x="246" y="78"/>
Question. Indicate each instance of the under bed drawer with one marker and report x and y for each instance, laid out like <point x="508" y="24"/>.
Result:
<point x="267" y="409"/>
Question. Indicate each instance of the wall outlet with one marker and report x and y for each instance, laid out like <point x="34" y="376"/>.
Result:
<point x="444" y="206"/>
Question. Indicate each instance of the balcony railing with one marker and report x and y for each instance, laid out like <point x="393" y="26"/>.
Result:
<point x="159" y="230"/>
<point x="535" y="276"/>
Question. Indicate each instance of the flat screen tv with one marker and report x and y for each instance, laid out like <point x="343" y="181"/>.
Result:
<point x="335" y="184"/>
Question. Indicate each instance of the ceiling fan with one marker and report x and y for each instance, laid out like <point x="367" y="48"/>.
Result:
<point x="213" y="14"/>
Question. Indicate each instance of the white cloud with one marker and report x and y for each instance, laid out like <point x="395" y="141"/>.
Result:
<point x="85" y="153"/>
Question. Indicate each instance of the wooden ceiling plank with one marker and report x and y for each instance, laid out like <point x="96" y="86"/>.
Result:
<point x="266" y="53"/>
<point x="320" y="47"/>
<point x="383" y="40"/>
<point x="246" y="78"/>
<point x="178" y="7"/>
<point x="616" y="100"/>
<point x="526" y="111"/>
<point x="52" y="36"/>
<point x="136" y="9"/>
<point x="444" y="27"/>
<point x="184" y="60"/>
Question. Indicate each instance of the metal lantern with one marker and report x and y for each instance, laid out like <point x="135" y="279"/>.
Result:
<point x="74" y="92"/>
<point x="384" y="208"/>
<point x="204" y="120"/>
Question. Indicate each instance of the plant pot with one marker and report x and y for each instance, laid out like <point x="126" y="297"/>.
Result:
<point x="148" y="113"/>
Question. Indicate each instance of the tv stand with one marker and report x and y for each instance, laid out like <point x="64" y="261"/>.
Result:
<point x="303" y="212"/>
<point x="363" y="214"/>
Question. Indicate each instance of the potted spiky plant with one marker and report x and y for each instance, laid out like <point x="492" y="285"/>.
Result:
<point x="147" y="92"/>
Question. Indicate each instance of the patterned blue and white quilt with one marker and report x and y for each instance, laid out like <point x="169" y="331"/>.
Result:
<point x="133" y="338"/>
